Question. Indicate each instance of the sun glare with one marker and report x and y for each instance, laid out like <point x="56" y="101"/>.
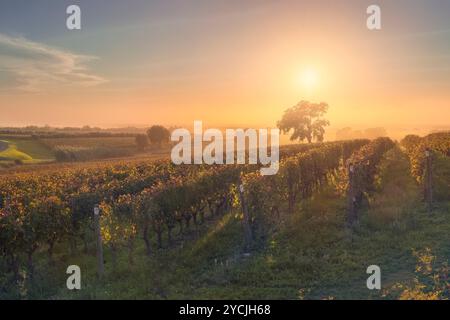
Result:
<point x="309" y="78"/>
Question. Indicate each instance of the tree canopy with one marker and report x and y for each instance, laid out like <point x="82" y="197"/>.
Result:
<point x="306" y="120"/>
<point x="158" y="135"/>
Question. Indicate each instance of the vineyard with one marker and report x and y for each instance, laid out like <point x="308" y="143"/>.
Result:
<point x="426" y="155"/>
<point x="145" y="208"/>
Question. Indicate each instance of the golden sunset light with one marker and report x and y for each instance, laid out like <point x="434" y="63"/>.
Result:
<point x="309" y="79"/>
<point x="251" y="153"/>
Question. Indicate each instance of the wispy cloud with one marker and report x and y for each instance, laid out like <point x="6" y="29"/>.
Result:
<point x="31" y="66"/>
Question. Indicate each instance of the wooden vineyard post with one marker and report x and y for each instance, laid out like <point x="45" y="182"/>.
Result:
<point x="429" y="179"/>
<point x="100" y="261"/>
<point x="247" y="228"/>
<point x="351" y="199"/>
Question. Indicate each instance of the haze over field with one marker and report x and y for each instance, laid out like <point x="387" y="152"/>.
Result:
<point x="227" y="63"/>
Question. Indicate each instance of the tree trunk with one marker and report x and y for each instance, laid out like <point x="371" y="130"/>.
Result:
<point x="51" y="245"/>
<point x="429" y="181"/>
<point x="180" y="224"/>
<point x="248" y="235"/>
<point x="210" y="207"/>
<point x="130" y="251"/>
<point x="98" y="244"/>
<point x="73" y="245"/>
<point x="13" y="265"/>
<point x="30" y="263"/>
<point x="85" y="242"/>
<point x="276" y="212"/>
<point x="188" y="220"/>
<point x="227" y="203"/>
<point x="159" y="238"/>
<point x="147" y="241"/>
<point x="114" y="255"/>
<point x="202" y="217"/>
<point x="169" y="234"/>
<point x="291" y="200"/>
<point x="351" y="196"/>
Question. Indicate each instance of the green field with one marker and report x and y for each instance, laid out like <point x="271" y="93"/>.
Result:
<point x="25" y="150"/>
<point x="33" y="151"/>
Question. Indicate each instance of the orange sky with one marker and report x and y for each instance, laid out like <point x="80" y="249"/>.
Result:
<point x="233" y="68"/>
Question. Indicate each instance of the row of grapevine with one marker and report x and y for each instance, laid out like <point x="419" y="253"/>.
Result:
<point x="425" y="154"/>
<point x="165" y="205"/>
<point x="38" y="211"/>
<point x="418" y="148"/>
<point x="361" y="171"/>
<point x="175" y="202"/>
<point x="41" y="210"/>
<point x="299" y="176"/>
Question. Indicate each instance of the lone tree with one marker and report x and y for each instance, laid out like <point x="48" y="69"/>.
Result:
<point x="305" y="118"/>
<point x="158" y="135"/>
<point x="142" y="141"/>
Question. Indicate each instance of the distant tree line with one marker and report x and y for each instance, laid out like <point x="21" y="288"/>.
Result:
<point x="48" y="135"/>
<point x="85" y="131"/>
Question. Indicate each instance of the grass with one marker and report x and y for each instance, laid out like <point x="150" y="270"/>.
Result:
<point x="24" y="150"/>
<point x="166" y="274"/>
<point x="91" y="148"/>
<point x="310" y="255"/>
<point x="12" y="153"/>
<point x="35" y="149"/>
<point x="31" y="150"/>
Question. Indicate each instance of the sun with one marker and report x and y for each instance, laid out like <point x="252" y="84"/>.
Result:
<point x="309" y="78"/>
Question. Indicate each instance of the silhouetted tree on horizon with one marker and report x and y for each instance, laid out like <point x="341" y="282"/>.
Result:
<point x="306" y="120"/>
<point x="158" y="135"/>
